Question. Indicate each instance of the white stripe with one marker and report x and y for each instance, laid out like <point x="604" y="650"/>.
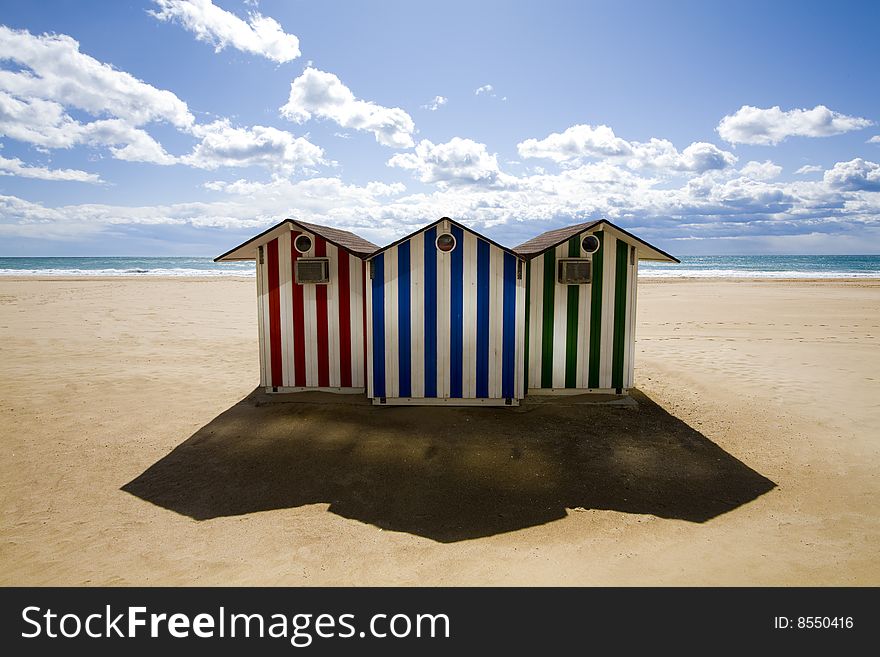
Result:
<point x="560" y="321"/>
<point x="521" y="319"/>
<point x="369" y="311"/>
<point x="496" y="319"/>
<point x="607" y="342"/>
<point x="631" y="309"/>
<point x="443" y="310"/>
<point x="310" y="313"/>
<point x="469" y="317"/>
<point x="285" y="306"/>
<point x="536" y="300"/>
<point x="333" y="315"/>
<point x="417" y="313"/>
<point x="355" y="297"/>
<point x="261" y="301"/>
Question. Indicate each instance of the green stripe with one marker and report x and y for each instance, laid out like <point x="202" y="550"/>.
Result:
<point x="571" y="327"/>
<point x="619" y="314"/>
<point x="547" y="325"/>
<point x="596" y="312"/>
<point x="528" y="314"/>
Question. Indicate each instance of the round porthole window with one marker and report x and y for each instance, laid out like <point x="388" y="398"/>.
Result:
<point x="303" y="243"/>
<point x="446" y="242"/>
<point x="590" y="244"/>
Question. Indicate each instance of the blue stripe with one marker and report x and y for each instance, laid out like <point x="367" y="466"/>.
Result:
<point x="456" y="309"/>
<point x="379" y="325"/>
<point x="404" y="328"/>
<point x="482" y="318"/>
<point x="508" y="349"/>
<point x="430" y="313"/>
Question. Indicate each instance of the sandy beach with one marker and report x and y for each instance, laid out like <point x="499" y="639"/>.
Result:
<point x="136" y="451"/>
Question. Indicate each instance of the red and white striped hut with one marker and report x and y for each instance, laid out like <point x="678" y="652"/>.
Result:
<point x="310" y="306"/>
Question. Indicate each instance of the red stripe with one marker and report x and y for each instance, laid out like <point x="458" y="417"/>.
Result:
<point x="344" y="321"/>
<point x="274" y="313"/>
<point x="299" y="322"/>
<point x="323" y="337"/>
<point x="364" y="314"/>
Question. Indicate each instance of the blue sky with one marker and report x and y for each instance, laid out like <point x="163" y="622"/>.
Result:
<point x="177" y="127"/>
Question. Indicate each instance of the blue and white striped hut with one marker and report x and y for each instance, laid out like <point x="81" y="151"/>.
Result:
<point x="445" y="319"/>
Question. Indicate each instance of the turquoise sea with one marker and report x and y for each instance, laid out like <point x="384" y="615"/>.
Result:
<point x="753" y="266"/>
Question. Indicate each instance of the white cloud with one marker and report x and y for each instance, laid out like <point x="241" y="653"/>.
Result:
<point x="855" y="175"/>
<point x="754" y="125"/>
<point x="576" y="142"/>
<point x="487" y="89"/>
<point x="581" y="142"/>
<point x="436" y="103"/>
<point x="765" y="170"/>
<point x="224" y="145"/>
<point x="704" y="208"/>
<point x="320" y="94"/>
<point x="874" y="140"/>
<point x="457" y="161"/>
<point x="46" y="124"/>
<point x="15" y="167"/>
<point x="259" y="35"/>
<point x="808" y="168"/>
<point x="53" y="69"/>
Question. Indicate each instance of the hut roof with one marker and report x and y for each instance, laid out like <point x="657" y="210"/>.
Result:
<point x="553" y="238"/>
<point x="452" y="222"/>
<point x="340" y="238"/>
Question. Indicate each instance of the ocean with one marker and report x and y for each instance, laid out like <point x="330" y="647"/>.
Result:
<point x="754" y="266"/>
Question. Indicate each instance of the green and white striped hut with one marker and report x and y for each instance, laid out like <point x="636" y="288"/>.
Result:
<point x="581" y="284"/>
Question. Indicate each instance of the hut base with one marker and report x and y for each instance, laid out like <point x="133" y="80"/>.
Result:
<point x="442" y="401"/>
<point x="339" y="391"/>
<point x="558" y="392"/>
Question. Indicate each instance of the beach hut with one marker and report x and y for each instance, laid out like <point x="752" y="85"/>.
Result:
<point x="581" y="284"/>
<point x="310" y="306"/>
<point x="445" y="319"/>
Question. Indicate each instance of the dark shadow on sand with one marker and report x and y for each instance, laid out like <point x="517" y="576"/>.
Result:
<point x="448" y="474"/>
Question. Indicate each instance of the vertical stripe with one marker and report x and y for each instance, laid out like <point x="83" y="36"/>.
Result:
<point x="606" y="348"/>
<point x="274" y="313"/>
<point x="368" y="327"/>
<point x="260" y="327"/>
<point x="549" y="294"/>
<point x="528" y="267"/>
<point x="378" y="343"/>
<point x="521" y="324"/>
<point x="496" y="321"/>
<point x="321" y="325"/>
<point x="536" y="318"/>
<point x="299" y="323"/>
<point x="343" y="287"/>
<point x="509" y="328"/>
<point x="391" y="330"/>
<point x="583" y="332"/>
<point x="469" y="316"/>
<point x="560" y="320"/>
<point x="456" y="278"/>
<point x="620" y="293"/>
<point x="404" y="320"/>
<point x="430" y="264"/>
<point x="572" y="321"/>
<point x="363" y="310"/>
<point x="333" y="311"/>
<point x="596" y="312"/>
<point x="417" y="314"/>
<point x="285" y="273"/>
<point x="482" y="370"/>
<point x="631" y="340"/>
